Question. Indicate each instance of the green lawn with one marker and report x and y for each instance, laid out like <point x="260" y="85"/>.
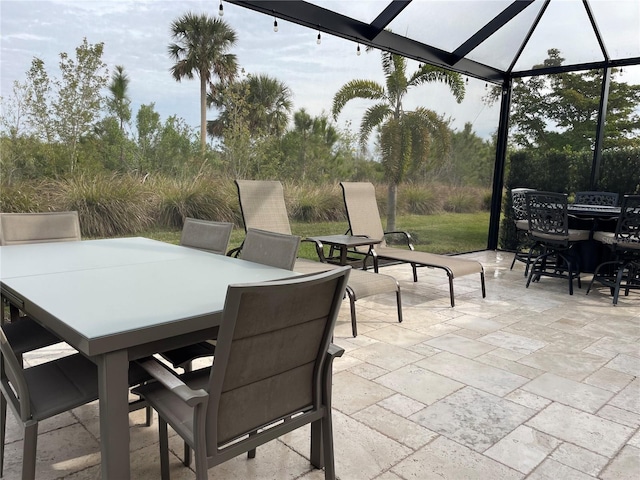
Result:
<point x="445" y="233"/>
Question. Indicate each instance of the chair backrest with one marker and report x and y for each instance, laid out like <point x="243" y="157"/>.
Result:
<point x="262" y="205"/>
<point x="628" y="226"/>
<point x="12" y="380"/>
<point x="547" y="213"/>
<point x="270" y="353"/>
<point x="519" y="202"/>
<point x="596" y="198"/>
<point x="270" y="248"/>
<point x="19" y="228"/>
<point x="206" y="235"/>
<point x="362" y="209"/>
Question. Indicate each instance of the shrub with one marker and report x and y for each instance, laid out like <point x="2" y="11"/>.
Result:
<point x="21" y="197"/>
<point x="108" y="205"/>
<point x="315" y="203"/>
<point x="418" y="199"/>
<point x="461" y="201"/>
<point x="202" y="197"/>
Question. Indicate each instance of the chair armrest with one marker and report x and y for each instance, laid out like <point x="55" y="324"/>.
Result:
<point x="173" y="383"/>
<point x="406" y="235"/>
<point x="319" y="248"/>
<point x="334" y="351"/>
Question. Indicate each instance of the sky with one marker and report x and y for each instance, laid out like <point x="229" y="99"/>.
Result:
<point x="136" y="35"/>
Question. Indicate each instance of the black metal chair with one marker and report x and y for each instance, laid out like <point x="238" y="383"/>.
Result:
<point x="520" y="219"/>
<point x="624" y="270"/>
<point x="609" y="199"/>
<point x="549" y="228"/>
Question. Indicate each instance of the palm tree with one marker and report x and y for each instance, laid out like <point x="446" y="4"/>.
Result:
<point x="405" y="136"/>
<point x="119" y="103"/>
<point x="266" y="103"/>
<point x="201" y="47"/>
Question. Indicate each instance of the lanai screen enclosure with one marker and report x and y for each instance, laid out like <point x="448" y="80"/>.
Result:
<point x="496" y="41"/>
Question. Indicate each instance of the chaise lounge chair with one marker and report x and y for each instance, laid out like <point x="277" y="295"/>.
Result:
<point x="364" y="219"/>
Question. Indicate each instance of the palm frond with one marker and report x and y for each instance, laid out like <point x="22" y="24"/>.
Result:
<point x="373" y="117"/>
<point x="430" y="74"/>
<point x="366" y="89"/>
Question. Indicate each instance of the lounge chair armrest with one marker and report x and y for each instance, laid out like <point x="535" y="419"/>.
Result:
<point x="319" y="248"/>
<point x="406" y="235"/>
<point x="173" y="383"/>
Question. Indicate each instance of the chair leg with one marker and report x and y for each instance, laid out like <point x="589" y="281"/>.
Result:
<point x="3" y="430"/>
<point x="327" y="445"/>
<point x="352" y="306"/>
<point x="399" y="299"/>
<point x="186" y="459"/>
<point x="164" y="448"/>
<point x="317" y="454"/>
<point x="414" y="267"/>
<point x="252" y="453"/>
<point x="29" y="452"/>
<point x="453" y="303"/>
<point x="484" y="289"/>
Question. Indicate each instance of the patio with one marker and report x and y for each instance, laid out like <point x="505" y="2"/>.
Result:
<point x="527" y="383"/>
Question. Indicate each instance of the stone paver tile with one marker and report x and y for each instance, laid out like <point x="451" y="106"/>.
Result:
<point x="569" y="392"/>
<point x="59" y="452"/>
<point x="401" y="405"/>
<point x="583" y="429"/>
<point x="367" y="370"/>
<point x="471" y="372"/>
<point x="618" y="345"/>
<point x="386" y="356"/>
<point x="398" y="335"/>
<point x="507" y="354"/>
<point x="387" y="476"/>
<point x="528" y="399"/>
<point x="352" y="392"/>
<point x="360" y="451"/>
<point x="420" y="384"/>
<point x="567" y="363"/>
<point x="635" y="440"/>
<point x="509" y="365"/>
<point x="473" y="418"/>
<point x="551" y="335"/>
<point x="613" y="327"/>
<point x="628" y="398"/>
<point x="618" y="415"/>
<point x="625" y="364"/>
<point x="626" y="466"/>
<point x="443" y="459"/>
<point x="580" y="459"/>
<point x="523" y="449"/>
<point x="552" y="470"/>
<point x="462" y="346"/>
<point x="424" y="349"/>
<point x="478" y="324"/>
<point x="436" y="330"/>
<point x="609" y="379"/>
<point x="512" y="341"/>
<point x="396" y="427"/>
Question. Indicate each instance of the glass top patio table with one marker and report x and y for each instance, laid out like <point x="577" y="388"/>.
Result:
<point x="116" y="300"/>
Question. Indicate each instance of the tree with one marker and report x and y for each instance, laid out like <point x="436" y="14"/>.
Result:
<point x="79" y="97"/>
<point x="119" y="103"/>
<point x="201" y="46"/>
<point x="405" y="136"/>
<point x="267" y="105"/>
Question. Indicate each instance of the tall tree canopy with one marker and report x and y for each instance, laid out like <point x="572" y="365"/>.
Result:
<point x="405" y="136"/>
<point x="201" y="47"/>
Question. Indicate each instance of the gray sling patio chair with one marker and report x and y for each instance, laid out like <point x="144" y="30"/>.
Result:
<point x="262" y="205"/>
<point x="24" y="333"/>
<point x="364" y="219"/>
<point x="270" y="248"/>
<point x="43" y="391"/>
<point x="206" y="235"/>
<point x="212" y="237"/>
<point x="271" y="375"/>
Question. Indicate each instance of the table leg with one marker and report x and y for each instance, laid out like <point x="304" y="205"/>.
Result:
<point x="113" y="387"/>
<point x="343" y="255"/>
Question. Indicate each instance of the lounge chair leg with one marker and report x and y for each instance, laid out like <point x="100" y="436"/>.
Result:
<point x="352" y="306"/>
<point x="415" y="272"/>
<point x="453" y="303"/>
<point x="399" y="299"/>
<point x="484" y="290"/>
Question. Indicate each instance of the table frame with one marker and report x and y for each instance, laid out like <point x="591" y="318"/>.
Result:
<point x="344" y="243"/>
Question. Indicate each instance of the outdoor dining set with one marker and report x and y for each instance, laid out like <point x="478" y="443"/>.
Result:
<point x="593" y="234"/>
<point x="137" y="311"/>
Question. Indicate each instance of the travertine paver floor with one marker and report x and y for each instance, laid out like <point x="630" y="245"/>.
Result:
<point x="527" y="383"/>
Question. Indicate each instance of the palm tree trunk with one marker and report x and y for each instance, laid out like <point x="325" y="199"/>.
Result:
<point x="203" y="113"/>
<point x="392" y="201"/>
